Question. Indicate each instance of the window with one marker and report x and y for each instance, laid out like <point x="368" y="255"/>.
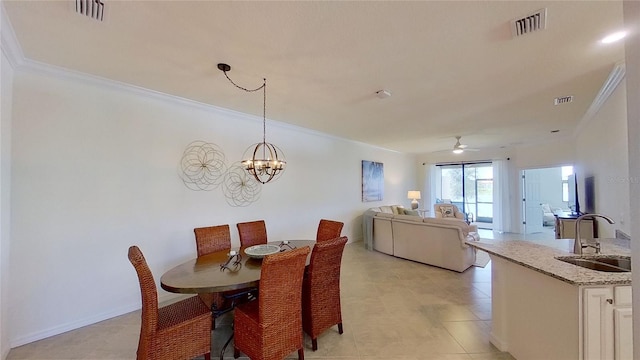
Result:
<point x="470" y="188"/>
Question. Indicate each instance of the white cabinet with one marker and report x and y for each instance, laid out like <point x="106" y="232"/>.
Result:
<point x="607" y="331"/>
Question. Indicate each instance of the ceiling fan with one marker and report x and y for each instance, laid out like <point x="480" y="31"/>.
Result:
<point x="459" y="148"/>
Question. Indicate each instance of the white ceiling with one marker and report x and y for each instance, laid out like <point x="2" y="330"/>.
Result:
<point x="452" y="67"/>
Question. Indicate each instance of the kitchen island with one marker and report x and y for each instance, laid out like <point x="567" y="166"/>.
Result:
<point x="544" y="308"/>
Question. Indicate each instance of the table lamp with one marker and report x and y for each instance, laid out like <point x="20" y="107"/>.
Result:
<point x="414" y="195"/>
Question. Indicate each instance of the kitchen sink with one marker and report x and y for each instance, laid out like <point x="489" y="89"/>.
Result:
<point x="606" y="263"/>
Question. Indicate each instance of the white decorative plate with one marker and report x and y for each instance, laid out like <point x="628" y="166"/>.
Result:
<point x="259" y="251"/>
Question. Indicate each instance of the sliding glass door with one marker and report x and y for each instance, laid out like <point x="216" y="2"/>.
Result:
<point x="470" y="188"/>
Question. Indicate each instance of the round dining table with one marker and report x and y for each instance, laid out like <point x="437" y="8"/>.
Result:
<point x="205" y="274"/>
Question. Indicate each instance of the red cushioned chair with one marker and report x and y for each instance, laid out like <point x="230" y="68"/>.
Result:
<point x="321" y="289"/>
<point x="271" y="327"/>
<point x="252" y="233"/>
<point x="178" y="331"/>
<point x="328" y="229"/>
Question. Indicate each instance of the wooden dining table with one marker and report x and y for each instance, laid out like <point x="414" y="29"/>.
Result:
<point x="204" y="274"/>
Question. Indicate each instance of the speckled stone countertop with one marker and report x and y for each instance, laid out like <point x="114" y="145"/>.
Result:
<point x="539" y="255"/>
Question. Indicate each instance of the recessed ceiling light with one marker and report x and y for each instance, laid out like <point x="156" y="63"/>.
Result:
<point x="614" y="37"/>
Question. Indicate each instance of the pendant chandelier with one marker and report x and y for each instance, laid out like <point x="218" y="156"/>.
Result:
<point x="264" y="161"/>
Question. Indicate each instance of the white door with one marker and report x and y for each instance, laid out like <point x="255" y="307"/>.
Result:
<point x="532" y="206"/>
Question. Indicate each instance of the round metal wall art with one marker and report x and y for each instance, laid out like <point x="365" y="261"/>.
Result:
<point x="203" y="166"/>
<point x="239" y="187"/>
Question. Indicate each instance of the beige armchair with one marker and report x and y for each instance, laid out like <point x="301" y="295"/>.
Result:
<point x="442" y="210"/>
<point x="450" y="211"/>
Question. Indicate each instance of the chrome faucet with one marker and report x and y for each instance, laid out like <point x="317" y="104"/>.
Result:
<point x="577" y="244"/>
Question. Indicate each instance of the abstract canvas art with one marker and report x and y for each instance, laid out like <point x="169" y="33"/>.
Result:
<point x="372" y="181"/>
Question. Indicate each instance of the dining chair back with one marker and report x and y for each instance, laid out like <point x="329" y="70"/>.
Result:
<point x="212" y="238"/>
<point x="271" y="327"/>
<point x="328" y="229"/>
<point x="252" y="233"/>
<point x="181" y="330"/>
<point x="321" y="289"/>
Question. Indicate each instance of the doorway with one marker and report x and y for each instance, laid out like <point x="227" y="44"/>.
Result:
<point x="545" y="193"/>
<point x="469" y="186"/>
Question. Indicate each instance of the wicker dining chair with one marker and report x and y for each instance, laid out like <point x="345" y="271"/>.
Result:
<point x="209" y="240"/>
<point x="321" y="289"/>
<point x="271" y="327"/>
<point x="252" y="233"/>
<point x="328" y="229"/>
<point x="178" y="331"/>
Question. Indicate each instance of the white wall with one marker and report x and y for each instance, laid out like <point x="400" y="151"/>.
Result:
<point x="632" y="60"/>
<point x="602" y="152"/>
<point x="95" y="171"/>
<point x="6" y="98"/>
<point x="5" y="196"/>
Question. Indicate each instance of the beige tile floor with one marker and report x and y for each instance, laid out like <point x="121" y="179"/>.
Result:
<point x="392" y="309"/>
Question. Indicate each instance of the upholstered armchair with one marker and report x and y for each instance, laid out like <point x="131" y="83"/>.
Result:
<point x="442" y="210"/>
<point x="548" y="215"/>
<point x="450" y="211"/>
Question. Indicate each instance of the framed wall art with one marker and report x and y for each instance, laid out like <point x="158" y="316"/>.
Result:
<point x="372" y="181"/>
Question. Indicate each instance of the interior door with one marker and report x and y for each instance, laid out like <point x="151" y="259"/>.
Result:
<point x="532" y="207"/>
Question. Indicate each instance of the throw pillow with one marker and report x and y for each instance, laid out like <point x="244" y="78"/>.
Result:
<point x="447" y="211"/>
<point x="411" y="212"/>
<point x="386" y="209"/>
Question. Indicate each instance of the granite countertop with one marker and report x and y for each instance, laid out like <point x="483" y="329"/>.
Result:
<point x="539" y="255"/>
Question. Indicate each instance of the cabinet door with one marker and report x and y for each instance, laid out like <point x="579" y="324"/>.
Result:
<point x="597" y="323"/>
<point x="623" y="336"/>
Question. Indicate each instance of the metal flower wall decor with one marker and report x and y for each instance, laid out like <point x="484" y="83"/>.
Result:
<point x="203" y="168"/>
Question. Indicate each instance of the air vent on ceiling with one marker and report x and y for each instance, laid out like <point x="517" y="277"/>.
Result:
<point x="91" y="8"/>
<point x="563" y="100"/>
<point x="530" y="23"/>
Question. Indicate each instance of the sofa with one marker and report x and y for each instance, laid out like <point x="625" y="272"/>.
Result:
<point x="436" y="242"/>
<point x="549" y="214"/>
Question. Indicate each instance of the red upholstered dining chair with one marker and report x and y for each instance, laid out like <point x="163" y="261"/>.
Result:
<point x="321" y="289"/>
<point x="212" y="238"/>
<point x="209" y="240"/>
<point x="178" y="331"/>
<point x="271" y="327"/>
<point x="252" y="233"/>
<point x="328" y="229"/>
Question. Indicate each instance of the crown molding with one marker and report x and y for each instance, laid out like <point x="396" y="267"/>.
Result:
<point x="615" y="77"/>
<point x="31" y="66"/>
<point x="11" y="47"/>
<point x="8" y="41"/>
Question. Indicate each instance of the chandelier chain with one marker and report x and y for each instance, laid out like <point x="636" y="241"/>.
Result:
<point x="264" y="102"/>
<point x="243" y="88"/>
<point x="271" y="164"/>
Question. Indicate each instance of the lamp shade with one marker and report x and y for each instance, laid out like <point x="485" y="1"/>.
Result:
<point x="413" y="194"/>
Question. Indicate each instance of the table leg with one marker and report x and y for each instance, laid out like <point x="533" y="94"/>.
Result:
<point x="224" y="348"/>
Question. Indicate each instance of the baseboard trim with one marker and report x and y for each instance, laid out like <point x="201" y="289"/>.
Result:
<point x="501" y="345"/>
<point x="73" y="325"/>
